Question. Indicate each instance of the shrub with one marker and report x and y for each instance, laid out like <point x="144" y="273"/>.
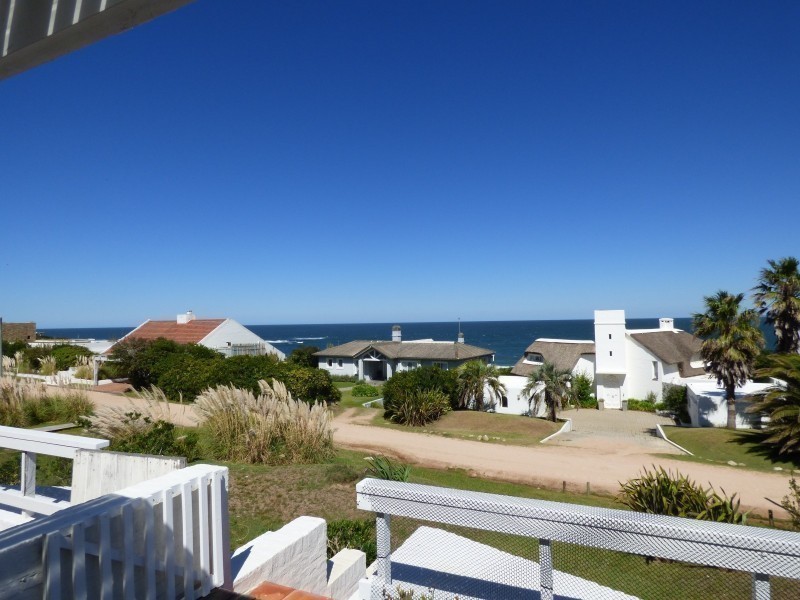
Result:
<point x="382" y="467"/>
<point x="304" y="357"/>
<point x="270" y="428"/>
<point x="365" y="390"/>
<point x="11" y="348"/>
<point x="345" y="378"/>
<point x="582" y="386"/>
<point x="357" y="534"/>
<point x="424" y="378"/>
<point x="47" y="365"/>
<point x="641" y="405"/>
<point x="309" y="385"/>
<point x="23" y="404"/>
<point x="67" y="355"/>
<point x="675" y="401"/>
<point x="417" y="407"/>
<point x="660" y="492"/>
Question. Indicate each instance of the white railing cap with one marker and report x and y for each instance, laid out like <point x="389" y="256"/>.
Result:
<point x="31" y="440"/>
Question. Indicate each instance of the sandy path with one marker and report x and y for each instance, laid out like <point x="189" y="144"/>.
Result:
<point x="603" y="466"/>
<point x="180" y="414"/>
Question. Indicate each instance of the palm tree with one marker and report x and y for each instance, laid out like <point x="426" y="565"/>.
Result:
<point x="781" y="402"/>
<point x="777" y="298"/>
<point x="550" y="384"/>
<point x="474" y="379"/>
<point x="732" y="341"/>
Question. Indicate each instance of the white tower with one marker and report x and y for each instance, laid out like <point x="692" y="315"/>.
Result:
<point x="611" y="362"/>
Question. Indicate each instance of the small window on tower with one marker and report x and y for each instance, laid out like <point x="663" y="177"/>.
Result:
<point x="609" y="336"/>
<point x="655" y="370"/>
<point x="611" y="353"/>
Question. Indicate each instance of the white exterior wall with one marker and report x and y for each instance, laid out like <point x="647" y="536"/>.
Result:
<point x="708" y="408"/>
<point x="349" y="366"/>
<point x="233" y="333"/>
<point x="517" y="402"/>
<point x="585" y="365"/>
<point x="610" y="361"/>
<point x="639" y="381"/>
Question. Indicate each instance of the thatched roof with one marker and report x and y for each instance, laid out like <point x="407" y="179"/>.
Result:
<point x="563" y="354"/>
<point x="445" y="351"/>
<point x="673" y="347"/>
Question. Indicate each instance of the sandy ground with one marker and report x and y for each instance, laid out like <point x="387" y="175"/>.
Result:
<point x="601" y="461"/>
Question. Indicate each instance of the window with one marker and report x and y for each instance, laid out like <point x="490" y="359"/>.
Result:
<point x="504" y="401"/>
<point x="340" y="363"/>
<point x="609" y="336"/>
<point x="655" y="370"/>
<point x="410" y="365"/>
<point x="330" y="362"/>
<point x="534" y="357"/>
<point x="611" y="353"/>
<point x="441" y="365"/>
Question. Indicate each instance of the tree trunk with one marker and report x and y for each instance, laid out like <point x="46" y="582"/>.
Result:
<point x="730" y="398"/>
<point x="551" y="404"/>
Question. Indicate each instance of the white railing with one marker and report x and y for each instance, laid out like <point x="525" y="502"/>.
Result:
<point x="165" y="538"/>
<point x="762" y="552"/>
<point x="31" y="442"/>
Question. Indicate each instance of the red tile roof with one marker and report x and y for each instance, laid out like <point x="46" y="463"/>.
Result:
<point x="183" y="333"/>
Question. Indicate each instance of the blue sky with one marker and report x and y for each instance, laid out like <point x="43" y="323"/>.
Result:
<point x="312" y="162"/>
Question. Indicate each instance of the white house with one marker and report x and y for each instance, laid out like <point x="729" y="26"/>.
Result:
<point x="379" y="360"/>
<point x="624" y="363"/>
<point x="223" y="335"/>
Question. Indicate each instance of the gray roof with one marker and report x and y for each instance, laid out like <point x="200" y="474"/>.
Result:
<point x="449" y="351"/>
<point x="564" y="355"/>
<point x="674" y="347"/>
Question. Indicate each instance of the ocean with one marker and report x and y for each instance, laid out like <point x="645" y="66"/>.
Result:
<point x="508" y="339"/>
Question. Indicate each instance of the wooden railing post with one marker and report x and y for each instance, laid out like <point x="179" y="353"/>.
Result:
<point x="27" y="477"/>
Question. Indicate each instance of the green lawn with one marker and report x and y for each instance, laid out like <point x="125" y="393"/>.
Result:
<point x="348" y="400"/>
<point x="719" y="446"/>
<point x="468" y="424"/>
<point x="264" y="498"/>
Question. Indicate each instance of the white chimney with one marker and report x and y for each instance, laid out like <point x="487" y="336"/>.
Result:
<point x="460" y="337"/>
<point x="666" y="323"/>
<point x="186" y="317"/>
<point x="397" y="336"/>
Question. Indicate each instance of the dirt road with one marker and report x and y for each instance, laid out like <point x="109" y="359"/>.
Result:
<point x="607" y="464"/>
<point x="604" y="465"/>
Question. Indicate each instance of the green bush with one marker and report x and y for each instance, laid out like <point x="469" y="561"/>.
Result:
<point x="662" y="493"/>
<point x="11" y="348"/>
<point x="66" y="355"/>
<point x="67" y="406"/>
<point x="309" y="385"/>
<point x="641" y="405"/>
<point x="424" y="378"/>
<point x="417" y="407"/>
<point x="582" y="386"/>
<point x="365" y="390"/>
<point x="356" y="534"/>
<point x="145" y="436"/>
<point x="675" y="401"/>
<point x="304" y="357"/>
<point x="345" y="378"/>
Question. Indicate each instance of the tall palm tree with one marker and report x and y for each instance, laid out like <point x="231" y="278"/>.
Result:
<point x="781" y="402"/>
<point x="476" y="378"/>
<point x="550" y="384"/>
<point x="732" y="341"/>
<point x="777" y="298"/>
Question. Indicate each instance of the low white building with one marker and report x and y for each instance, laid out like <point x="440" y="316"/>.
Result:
<point x="708" y="407"/>
<point x="223" y="335"/>
<point x="379" y="360"/>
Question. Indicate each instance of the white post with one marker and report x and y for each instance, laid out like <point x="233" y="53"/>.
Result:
<point x="384" y="547"/>
<point x="761" y="587"/>
<point x="27" y="477"/>
<point x="545" y="570"/>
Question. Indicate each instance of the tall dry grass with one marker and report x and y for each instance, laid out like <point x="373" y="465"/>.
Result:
<point x="47" y="365"/>
<point x="269" y="428"/>
<point x="9" y="365"/>
<point x="84" y="368"/>
<point x="26" y="403"/>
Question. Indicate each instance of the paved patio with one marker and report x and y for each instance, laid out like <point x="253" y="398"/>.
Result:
<point x="630" y="431"/>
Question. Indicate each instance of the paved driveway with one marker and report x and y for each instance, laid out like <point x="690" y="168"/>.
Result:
<point x="626" y="431"/>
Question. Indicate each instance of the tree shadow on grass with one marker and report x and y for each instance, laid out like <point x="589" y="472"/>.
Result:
<point x="755" y="441"/>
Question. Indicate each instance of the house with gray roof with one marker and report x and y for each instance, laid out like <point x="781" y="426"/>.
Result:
<point x="379" y="360"/>
<point x="624" y="363"/>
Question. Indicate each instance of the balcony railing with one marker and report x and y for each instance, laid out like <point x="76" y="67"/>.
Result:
<point x="679" y="545"/>
<point x="165" y="538"/>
